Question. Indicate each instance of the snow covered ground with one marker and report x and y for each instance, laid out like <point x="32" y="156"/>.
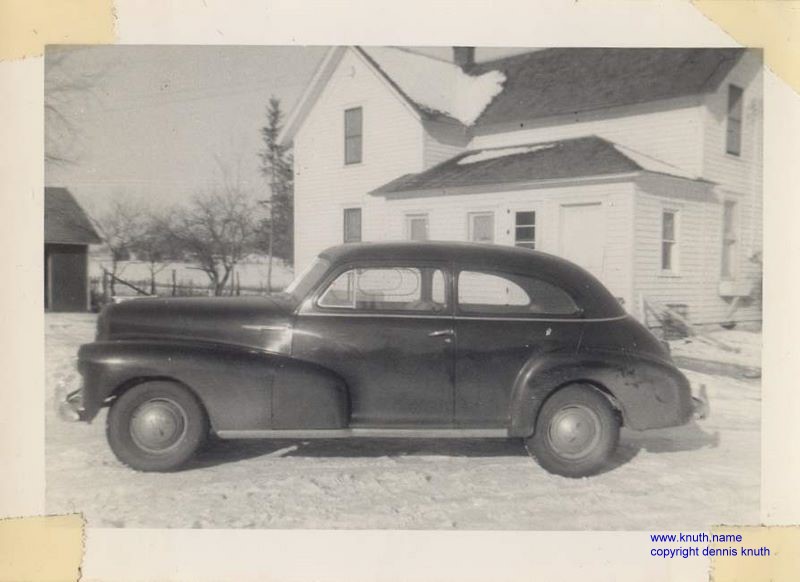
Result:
<point x="744" y="348"/>
<point x="688" y="477"/>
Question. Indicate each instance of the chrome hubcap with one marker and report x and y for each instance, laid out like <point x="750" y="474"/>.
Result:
<point x="574" y="431"/>
<point x="158" y="425"/>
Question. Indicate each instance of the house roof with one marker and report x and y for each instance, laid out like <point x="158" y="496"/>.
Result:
<point x="65" y="221"/>
<point x="559" y="160"/>
<point x="531" y="85"/>
<point x="561" y="81"/>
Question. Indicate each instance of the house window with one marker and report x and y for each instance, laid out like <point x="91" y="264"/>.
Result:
<point x="353" y="122"/>
<point x="729" y="240"/>
<point x="417" y="226"/>
<point x="733" y="144"/>
<point x="481" y="226"/>
<point x="352" y="225"/>
<point x="525" y="229"/>
<point x="669" y="240"/>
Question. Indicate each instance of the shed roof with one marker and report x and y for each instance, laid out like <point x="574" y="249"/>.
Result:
<point x="65" y="221"/>
<point x="571" y="158"/>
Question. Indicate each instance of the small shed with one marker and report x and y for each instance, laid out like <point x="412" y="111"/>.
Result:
<point x="68" y="232"/>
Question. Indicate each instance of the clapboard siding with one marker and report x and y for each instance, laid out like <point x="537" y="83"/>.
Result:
<point x="668" y="130"/>
<point x="739" y="177"/>
<point x="442" y="141"/>
<point x="324" y="185"/>
<point x="699" y="234"/>
<point x="448" y="220"/>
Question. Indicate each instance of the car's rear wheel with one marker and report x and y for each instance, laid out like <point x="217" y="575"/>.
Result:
<point x="576" y="432"/>
<point x="156" y="426"/>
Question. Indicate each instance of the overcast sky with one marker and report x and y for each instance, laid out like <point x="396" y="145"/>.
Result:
<point x="158" y="116"/>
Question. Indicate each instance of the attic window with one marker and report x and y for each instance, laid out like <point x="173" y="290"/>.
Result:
<point x="353" y="120"/>
<point x="733" y="144"/>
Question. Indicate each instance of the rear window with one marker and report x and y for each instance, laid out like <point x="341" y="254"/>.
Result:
<point x="511" y="294"/>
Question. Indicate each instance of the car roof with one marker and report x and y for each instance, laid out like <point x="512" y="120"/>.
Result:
<point x="591" y="295"/>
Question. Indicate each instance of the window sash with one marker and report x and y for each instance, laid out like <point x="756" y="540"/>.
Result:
<point x="669" y="239"/>
<point x="733" y="138"/>
<point x="351" y="225"/>
<point x="729" y="240"/>
<point x="481" y="226"/>
<point x="417" y="227"/>
<point x="525" y="229"/>
<point x="353" y="135"/>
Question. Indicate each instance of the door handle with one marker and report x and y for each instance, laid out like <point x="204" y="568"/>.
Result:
<point x="442" y="333"/>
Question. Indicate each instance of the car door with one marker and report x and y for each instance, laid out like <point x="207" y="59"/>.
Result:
<point x="387" y="330"/>
<point x="502" y="321"/>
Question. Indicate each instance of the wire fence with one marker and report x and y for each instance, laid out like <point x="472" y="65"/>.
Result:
<point x="108" y="288"/>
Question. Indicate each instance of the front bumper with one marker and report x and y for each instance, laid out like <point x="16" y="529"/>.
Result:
<point x="700" y="406"/>
<point x="69" y="402"/>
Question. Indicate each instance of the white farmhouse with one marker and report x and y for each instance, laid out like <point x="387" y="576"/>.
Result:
<point x="642" y="165"/>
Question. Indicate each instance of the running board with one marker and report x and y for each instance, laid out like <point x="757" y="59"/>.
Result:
<point x="401" y="433"/>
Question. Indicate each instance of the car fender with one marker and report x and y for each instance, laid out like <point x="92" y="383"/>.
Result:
<point x="649" y="393"/>
<point x="240" y="388"/>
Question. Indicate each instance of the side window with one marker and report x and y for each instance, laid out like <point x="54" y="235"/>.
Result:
<point x="511" y="294"/>
<point x="387" y="289"/>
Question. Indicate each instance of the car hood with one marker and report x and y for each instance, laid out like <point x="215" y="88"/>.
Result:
<point x="262" y="323"/>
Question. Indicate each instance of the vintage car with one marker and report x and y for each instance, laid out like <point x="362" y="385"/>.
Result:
<point x="405" y="339"/>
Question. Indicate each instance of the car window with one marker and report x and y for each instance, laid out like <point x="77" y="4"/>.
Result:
<point x="511" y="294"/>
<point x="387" y="289"/>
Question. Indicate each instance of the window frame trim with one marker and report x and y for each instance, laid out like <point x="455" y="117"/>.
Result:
<point x="345" y="136"/>
<point x="535" y="226"/>
<point x="470" y="228"/>
<point x="740" y="141"/>
<point x="734" y="270"/>
<point x="675" y="267"/>
<point x="408" y="216"/>
<point x="360" y="225"/>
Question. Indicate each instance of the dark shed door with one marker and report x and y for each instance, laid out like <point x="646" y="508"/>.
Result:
<point x="65" y="278"/>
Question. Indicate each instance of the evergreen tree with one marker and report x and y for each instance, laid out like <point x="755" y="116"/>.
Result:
<point x="277" y="229"/>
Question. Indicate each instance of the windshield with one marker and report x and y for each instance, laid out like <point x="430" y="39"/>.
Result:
<point x="304" y="282"/>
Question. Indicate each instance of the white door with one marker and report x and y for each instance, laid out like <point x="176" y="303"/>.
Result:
<point x="582" y="235"/>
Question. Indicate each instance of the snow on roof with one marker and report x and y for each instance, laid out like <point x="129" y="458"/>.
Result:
<point x="652" y="164"/>
<point x="491" y="154"/>
<point x="438" y="85"/>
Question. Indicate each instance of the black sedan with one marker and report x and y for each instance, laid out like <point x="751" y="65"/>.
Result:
<point x="450" y="340"/>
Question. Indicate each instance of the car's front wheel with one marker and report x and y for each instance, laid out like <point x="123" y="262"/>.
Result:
<point x="156" y="426"/>
<point x="576" y="432"/>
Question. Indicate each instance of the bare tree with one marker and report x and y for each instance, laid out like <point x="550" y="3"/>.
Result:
<point x="216" y="229"/>
<point x="153" y="245"/>
<point x="121" y="227"/>
<point x="69" y="88"/>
